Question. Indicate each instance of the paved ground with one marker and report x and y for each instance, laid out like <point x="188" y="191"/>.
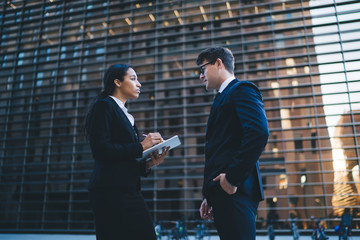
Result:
<point x="92" y="237"/>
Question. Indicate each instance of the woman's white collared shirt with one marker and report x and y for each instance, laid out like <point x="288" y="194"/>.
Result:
<point x="124" y="109"/>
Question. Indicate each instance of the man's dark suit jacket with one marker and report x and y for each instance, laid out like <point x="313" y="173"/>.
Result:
<point x="115" y="146"/>
<point x="237" y="132"/>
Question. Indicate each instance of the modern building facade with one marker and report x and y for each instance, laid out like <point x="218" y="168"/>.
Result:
<point x="303" y="55"/>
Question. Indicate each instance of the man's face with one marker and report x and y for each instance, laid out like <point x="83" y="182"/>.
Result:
<point x="209" y="74"/>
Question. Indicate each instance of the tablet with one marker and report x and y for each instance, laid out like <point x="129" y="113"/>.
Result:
<point x="171" y="142"/>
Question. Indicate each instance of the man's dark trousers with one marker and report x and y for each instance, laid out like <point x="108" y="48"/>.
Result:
<point x="232" y="214"/>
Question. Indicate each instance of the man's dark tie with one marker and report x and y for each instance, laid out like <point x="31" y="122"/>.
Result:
<point x="218" y="93"/>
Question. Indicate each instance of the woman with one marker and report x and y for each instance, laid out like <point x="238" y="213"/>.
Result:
<point x="114" y="187"/>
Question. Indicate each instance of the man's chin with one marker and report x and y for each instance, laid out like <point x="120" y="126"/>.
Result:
<point x="208" y="88"/>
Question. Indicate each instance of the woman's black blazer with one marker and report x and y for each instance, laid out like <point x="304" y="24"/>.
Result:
<point x="115" y="146"/>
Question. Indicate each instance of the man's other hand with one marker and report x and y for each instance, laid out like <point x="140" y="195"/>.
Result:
<point x="206" y="211"/>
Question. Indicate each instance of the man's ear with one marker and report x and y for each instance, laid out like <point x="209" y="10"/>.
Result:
<point x="220" y="62"/>
<point x="117" y="82"/>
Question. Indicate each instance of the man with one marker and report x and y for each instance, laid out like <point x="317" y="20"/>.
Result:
<point x="236" y="134"/>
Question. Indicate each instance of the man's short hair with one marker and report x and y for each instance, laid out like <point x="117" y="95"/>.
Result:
<point x="213" y="53"/>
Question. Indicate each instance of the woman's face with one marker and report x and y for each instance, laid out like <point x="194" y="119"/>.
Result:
<point x="130" y="87"/>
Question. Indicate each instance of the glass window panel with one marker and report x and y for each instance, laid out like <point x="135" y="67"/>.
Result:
<point x="310" y="96"/>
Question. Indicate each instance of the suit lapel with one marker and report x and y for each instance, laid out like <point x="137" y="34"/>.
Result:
<point x="211" y="115"/>
<point x="123" y="118"/>
<point x="216" y="103"/>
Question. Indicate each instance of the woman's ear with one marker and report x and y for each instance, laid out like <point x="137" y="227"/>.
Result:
<point x="117" y="82"/>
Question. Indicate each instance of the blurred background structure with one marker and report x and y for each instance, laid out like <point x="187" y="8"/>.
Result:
<point x="303" y="55"/>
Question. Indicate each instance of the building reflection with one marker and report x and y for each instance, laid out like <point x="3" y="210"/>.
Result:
<point x="346" y="164"/>
<point x="303" y="55"/>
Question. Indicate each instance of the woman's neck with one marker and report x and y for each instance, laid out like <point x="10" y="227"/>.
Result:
<point x="120" y="97"/>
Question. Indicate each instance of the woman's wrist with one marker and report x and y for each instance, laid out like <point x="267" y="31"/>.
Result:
<point x="143" y="146"/>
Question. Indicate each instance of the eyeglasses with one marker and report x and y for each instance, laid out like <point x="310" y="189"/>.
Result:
<point x="202" y="70"/>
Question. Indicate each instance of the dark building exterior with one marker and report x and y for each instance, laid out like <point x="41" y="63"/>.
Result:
<point x="303" y="55"/>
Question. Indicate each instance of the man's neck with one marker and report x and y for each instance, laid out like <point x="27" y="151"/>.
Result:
<point x="223" y="78"/>
<point x="228" y="75"/>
